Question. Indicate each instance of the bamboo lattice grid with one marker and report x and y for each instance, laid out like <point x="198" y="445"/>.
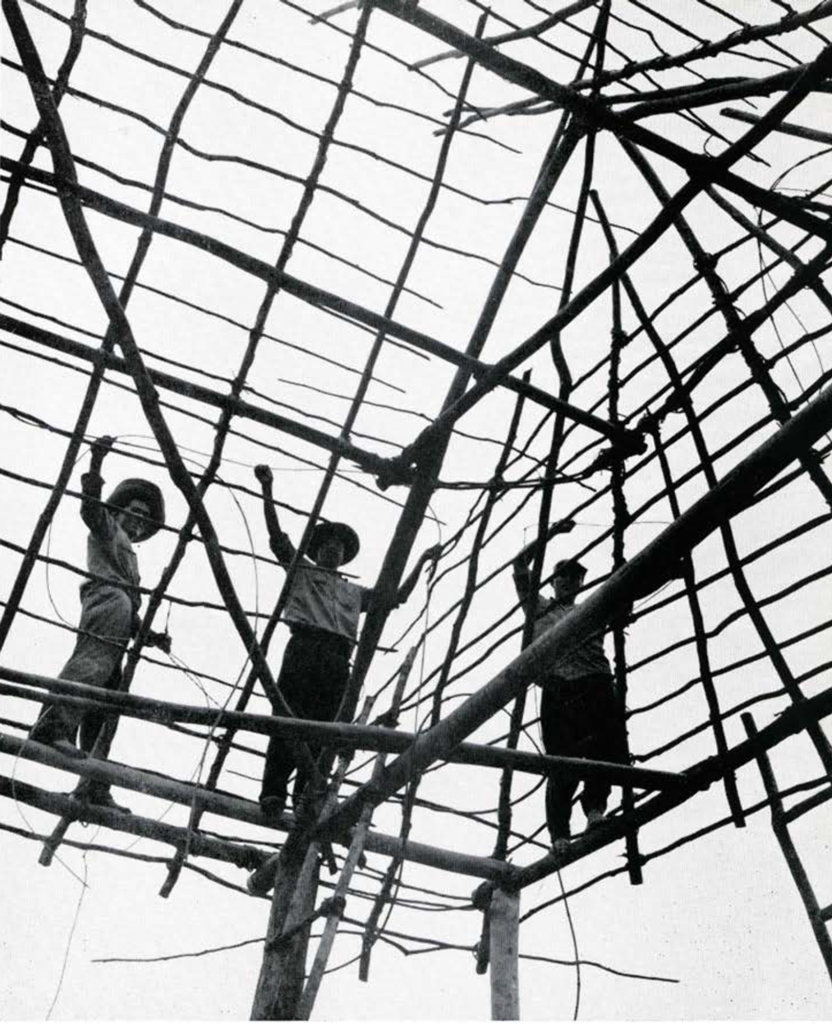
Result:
<point x="454" y="280"/>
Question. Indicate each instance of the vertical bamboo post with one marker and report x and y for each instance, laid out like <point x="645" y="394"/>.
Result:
<point x="356" y="850"/>
<point x="280" y="983"/>
<point x="781" y="831"/>
<point x="621" y="517"/>
<point x="504" y="942"/>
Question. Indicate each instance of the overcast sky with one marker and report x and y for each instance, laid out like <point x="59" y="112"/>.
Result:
<point x="719" y="920"/>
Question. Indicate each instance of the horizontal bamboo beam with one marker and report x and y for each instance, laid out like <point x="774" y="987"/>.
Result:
<point x="312" y="294"/>
<point x="239" y="809"/>
<point x="809" y="804"/>
<point x="199" y="393"/>
<point x="199" y="845"/>
<point x="340" y="734"/>
<point x="644" y="572"/>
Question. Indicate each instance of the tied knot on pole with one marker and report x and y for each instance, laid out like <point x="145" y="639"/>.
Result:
<point x="620" y="338"/>
<point x="398" y="471"/>
<point x="705" y="262"/>
<point x="481" y="896"/>
<point x="630" y="442"/>
<point x="332" y="905"/>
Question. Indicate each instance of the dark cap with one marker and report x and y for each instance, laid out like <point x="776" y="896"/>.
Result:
<point x="338" y="531"/>
<point x="144" y="490"/>
<point x="569" y="567"/>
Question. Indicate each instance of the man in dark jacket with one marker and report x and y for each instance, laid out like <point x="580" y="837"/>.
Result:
<point x="580" y="715"/>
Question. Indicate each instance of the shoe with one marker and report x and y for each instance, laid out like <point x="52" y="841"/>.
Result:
<point x="560" y="846"/>
<point x="594" y="818"/>
<point x="272" y="806"/>
<point x="104" y="798"/>
<point x="68" y="748"/>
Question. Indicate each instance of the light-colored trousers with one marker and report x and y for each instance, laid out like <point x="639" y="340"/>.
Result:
<point x="104" y="632"/>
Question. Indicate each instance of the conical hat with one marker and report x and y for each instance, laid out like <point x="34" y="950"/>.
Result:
<point x="340" y="531"/>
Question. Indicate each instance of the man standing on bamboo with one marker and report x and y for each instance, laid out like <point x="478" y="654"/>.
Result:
<point x="110" y="602"/>
<point x="322" y="611"/>
<point x="580" y="715"/>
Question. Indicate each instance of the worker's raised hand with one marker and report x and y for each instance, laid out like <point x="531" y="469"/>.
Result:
<point x="563" y="526"/>
<point x="160" y="640"/>
<point x="101" y="446"/>
<point x="264" y="475"/>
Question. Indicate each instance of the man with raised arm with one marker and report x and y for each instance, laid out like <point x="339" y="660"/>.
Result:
<point x="110" y="602"/>
<point x="322" y="611"/>
<point x="580" y="715"/>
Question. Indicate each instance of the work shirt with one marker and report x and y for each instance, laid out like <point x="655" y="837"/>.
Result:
<point x="324" y="600"/>
<point x="586" y="660"/>
<point x="109" y="551"/>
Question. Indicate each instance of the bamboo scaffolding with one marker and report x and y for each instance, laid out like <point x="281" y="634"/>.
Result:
<point x="689" y="575"/>
<point x="645" y="571"/>
<point x="236" y="808"/>
<point x="790" y="723"/>
<point x="665" y="375"/>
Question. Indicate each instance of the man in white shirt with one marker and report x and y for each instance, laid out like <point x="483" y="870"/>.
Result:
<point x="322" y="611"/>
<point x="580" y="715"/>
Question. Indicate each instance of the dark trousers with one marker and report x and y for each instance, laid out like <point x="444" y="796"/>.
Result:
<point x="579" y="718"/>
<point x="313" y="676"/>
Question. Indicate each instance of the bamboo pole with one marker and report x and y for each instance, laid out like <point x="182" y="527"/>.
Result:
<point x="734" y="324"/>
<point x="363" y="737"/>
<point x="621" y="517"/>
<point x="809" y="804"/>
<point x="792" y="857"/>
<point x="241" y="855"/>
<point x="356" y="850"/>
<point x="642" y="574"/>
<point x="504" y="945"/>
<point x="280" y="983"/>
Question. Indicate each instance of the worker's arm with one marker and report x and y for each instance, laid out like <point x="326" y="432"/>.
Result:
<point x="95" y="516"/>
<point x="406" y="589"/>
<point x="520" y="566"/>
<point x="282" y="547"/>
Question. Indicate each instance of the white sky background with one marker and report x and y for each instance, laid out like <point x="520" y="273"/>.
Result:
<point x="721" y="915"/>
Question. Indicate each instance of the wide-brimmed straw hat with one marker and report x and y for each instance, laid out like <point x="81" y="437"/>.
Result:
<point x="144" y="490"/>
<point x="569" y="567"/>
<point x="338" y="531"/>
